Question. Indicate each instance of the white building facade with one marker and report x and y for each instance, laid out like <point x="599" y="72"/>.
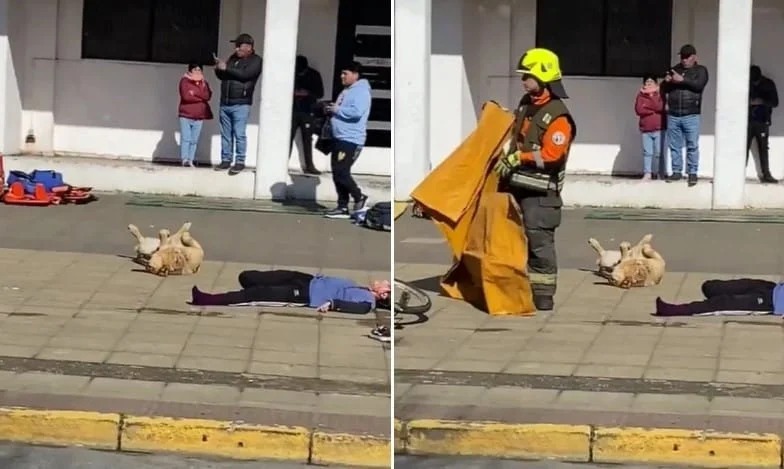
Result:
<point x="97" y="80"/>
<point x="473" y="44"/>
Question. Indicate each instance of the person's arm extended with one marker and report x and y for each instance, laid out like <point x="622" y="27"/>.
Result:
<point x="249" y="72"/>
<point x="698" y="83"/>
<point x="343" y="306"/>
<point x="354" y="107"/>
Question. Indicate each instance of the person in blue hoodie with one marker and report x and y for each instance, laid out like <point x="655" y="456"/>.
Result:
<point x="292" y="287"/>
<point x="745" y="294"/>
<point x="348" y="118"/>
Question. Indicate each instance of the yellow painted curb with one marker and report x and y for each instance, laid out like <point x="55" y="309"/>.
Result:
<point x="400" y="435"/>
<point x="208" y="437"/>
<point x="563" y="442"/>
<point x="60" y="428"/>
<point x="351" y="450"/>
<point x="700" y="448"/>
<point x="400" y="209"/>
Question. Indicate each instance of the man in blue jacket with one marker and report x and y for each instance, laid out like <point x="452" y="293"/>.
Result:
<point x="348" y="118"/>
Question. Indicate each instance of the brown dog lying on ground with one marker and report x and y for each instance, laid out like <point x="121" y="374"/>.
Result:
<point x="644" y="271"/>
<point x="607" y="260"/>
<point x="179" y="254"/>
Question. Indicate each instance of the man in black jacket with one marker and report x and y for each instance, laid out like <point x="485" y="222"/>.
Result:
<point x="763" y="97"/>
<point x="308" y="89"/>
<point x="684" y="84"/>
<point x="238" y="76"/>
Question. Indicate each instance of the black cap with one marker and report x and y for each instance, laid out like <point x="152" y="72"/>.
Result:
<point x="355" y="67"/>
<point x="243" y="39"/>
<point x="687" y="51"/>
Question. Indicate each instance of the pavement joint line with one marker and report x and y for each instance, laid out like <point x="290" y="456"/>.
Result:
<point x="597" y="384"/>
<point x="588" y="443"/>
<point x="197" y="437"/>
<point x="188" y="376"/>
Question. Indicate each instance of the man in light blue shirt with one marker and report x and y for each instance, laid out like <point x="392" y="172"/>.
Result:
<point x="348" y="119"/>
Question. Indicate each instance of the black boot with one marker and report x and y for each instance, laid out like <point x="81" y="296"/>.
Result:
<point x="544" y="302"/>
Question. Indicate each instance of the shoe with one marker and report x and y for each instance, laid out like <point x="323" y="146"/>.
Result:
<point x="544" y="303"/>
<point x="188" y="164"/>
<point x="236" y="169"/>
<point x="339" y="212"/>
<point x="646" y="177"/>
<point x="223" y="166"/>
<point x="654" y="177"/>
<point x="768" y="179"/>
<point x="692" y="180"/>
<point x="674" y="177"/>
<point x="381" y="334"/>
<point x="312" y="171"/>
<point x="359" y="204"/>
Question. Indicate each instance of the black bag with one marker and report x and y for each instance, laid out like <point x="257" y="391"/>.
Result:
<point x="379" y="216"/>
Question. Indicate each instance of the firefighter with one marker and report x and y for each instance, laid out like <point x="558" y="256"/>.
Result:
<point x="533" y="166"/>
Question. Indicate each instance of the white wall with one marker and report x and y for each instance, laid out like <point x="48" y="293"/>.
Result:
<point x="496" y="32"/>
<point x="129" y="109"/>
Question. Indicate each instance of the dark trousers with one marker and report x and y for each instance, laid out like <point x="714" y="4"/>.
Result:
<point x="274" y="286"/>
<point x="759" y="131"/>
<point x="303" y="122"/>
<point x="744" y="294"/>
<point x="541" y="217"/>
<point x="344" y="154"/>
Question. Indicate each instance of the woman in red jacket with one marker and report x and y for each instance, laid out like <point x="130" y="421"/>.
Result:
<point x="649" y="107"/>
<point x="194" y="109"/>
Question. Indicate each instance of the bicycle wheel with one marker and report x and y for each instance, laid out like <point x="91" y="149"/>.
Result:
<point x="410" y="299"/>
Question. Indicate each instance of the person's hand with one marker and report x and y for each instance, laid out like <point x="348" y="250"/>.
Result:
<point x="301" y="92"/>
<point x="220" y="65"/>
<point x="507" y="164"/>
<point x="191" y="92"/>
<point x="331" y="108"/>
<point x="677" y="77"/>
<point x="325" y="307"/>
<point x="757" y="102"/>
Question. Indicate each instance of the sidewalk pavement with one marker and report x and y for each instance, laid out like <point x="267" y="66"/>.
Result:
<point x="594" y="370"/>
<point x="99" y="354"/>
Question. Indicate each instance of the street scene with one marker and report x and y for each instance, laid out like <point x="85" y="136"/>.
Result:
<point x="600" y="358"/>
<point x="84" y="328"/>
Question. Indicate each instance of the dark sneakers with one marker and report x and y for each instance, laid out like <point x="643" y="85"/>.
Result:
<point x="674" y="177"/>
<point x="338" y="212"/>
<point x="223" y="166"/>
<point x="768" y="179"/>
<point x="691" y="178"/>
<point x="236" y="169"/>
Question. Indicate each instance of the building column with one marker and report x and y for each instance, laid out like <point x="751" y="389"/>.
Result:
<point x="281" y="25"/>
<point x="411" y="68"/>
<point x="5" y="57"/>
<point x="732" y="94"/>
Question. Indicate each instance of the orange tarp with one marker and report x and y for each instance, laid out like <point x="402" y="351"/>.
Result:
<point x="482" y="226"/>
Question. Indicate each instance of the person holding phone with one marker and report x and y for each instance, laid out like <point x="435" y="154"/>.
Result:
<point x="194" y="109"/>
<point x="238" y="75"/>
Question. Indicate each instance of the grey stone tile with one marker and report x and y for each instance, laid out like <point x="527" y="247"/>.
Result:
<point x="81" y="355"/>
<point x="18" y="351"/>
<point x="517" y="397"/>
<point x="680" y="374"/>
<point x="155" y="348"/>
<point x="540" y="368"/>
<point x="200" y="393"/>
<point x="671" y="403"/>
<point x="610" y="371"/>
<point x="745" y="405"/>
<point x="220" y="340"/>
<point x="212" y="364"/>
<point x="770" y="364"/>
<point x="283" y="369"/>
<point x="351" y="359"/>
<point x="142" y="359"/>
<point x="211" y="351"/>
<point x="594" y="400"/>
<point x="111" y="387"/>
<point x="299" y="358"/>
<point x="749" y="377"/>
<point x="628" y="359"/>
<point x="431" y="394"/>
<point x="85" y="341"/>
<point x="278" y="399"/>
<point x="378" y="406"/>
<point x="358" y="375"/>
<point x="471" y="365"/>
<point x="47" y="383"/>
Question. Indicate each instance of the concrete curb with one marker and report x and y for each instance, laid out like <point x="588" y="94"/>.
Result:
<point x="234" y="440"/>
<point x="588" y="443"/>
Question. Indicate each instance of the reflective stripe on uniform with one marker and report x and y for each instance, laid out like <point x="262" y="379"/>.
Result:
<point x="542" y="279"/>
<point x="538" y="159"/>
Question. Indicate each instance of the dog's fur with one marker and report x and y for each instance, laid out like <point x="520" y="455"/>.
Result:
<point x="644" y="271"/>
<point x="179" y="254"/>
<point x="145" y="245"/>
<point x="607" y="260"/>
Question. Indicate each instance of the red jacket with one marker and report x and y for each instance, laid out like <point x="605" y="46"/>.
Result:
<point x="650" y="109"/>
<point x="195" y="99"/>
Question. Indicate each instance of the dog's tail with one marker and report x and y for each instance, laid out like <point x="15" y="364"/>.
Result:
<point x="596" y="246"/>
<point x="135" y="232"/>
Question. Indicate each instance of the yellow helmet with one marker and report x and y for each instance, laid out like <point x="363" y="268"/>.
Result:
<point x="541" y="63"/>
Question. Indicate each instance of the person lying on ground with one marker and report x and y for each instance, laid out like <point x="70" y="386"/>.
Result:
<point x="752" y="295"/>
<point x="299" y="288"/>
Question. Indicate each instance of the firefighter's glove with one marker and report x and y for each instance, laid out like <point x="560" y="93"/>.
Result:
<point x="507" y="164"/>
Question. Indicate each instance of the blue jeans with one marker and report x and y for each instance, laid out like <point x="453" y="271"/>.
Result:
<point x="680" y="129"/>
<point x="190" y="129"/>
<point x="233" y="123"/>
<point x="651" y="152"/>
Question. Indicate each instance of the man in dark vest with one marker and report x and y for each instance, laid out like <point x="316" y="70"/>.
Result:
<point x="533" y="166"/>
<point x="763" y="97"/>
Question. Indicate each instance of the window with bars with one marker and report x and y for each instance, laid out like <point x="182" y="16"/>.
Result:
<point x="615" y="38"/>
<point x="161" y="31"/>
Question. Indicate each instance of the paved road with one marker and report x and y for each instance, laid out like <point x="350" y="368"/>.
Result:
<point x="734" y="248"/>
<point x="407" y="462"/>
<point x="31" y="457"/>
<point x="266" y="238"/>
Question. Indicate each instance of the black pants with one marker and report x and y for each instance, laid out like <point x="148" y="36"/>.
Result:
<point x="541" y="217"/>
<point x="344" y="154"/>
<point x="744" y="294"/>
<point x="274" y="286"/>
<point x="759" y="131"/>
<point x="304" y="122"/>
